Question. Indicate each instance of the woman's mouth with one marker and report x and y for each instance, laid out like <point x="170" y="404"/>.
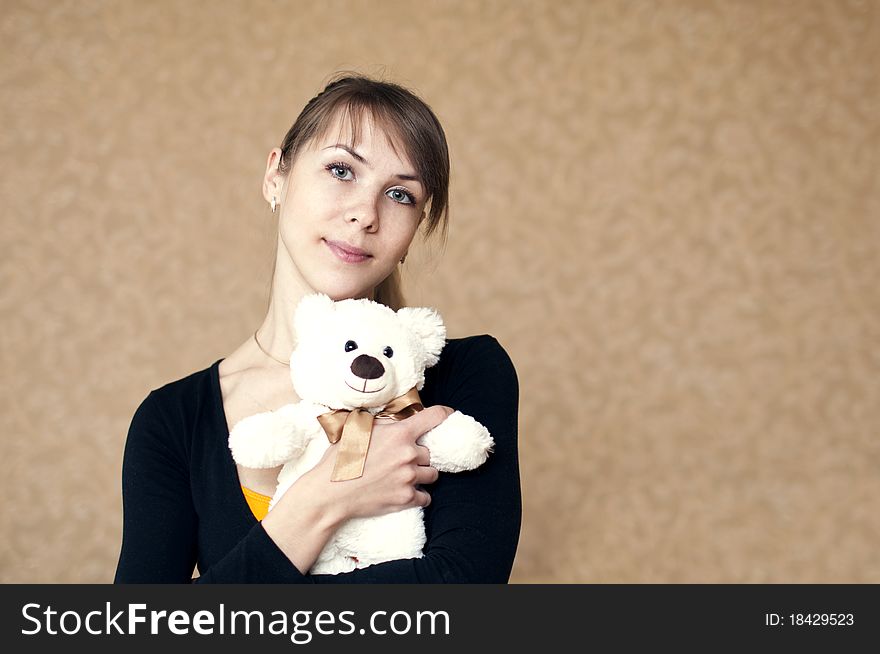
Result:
<point x="347" y="253"/>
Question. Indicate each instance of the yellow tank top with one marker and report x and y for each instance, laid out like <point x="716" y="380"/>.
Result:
<point x="258" y="503"/>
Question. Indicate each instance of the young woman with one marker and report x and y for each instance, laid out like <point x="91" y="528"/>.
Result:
<point x="363" y="168"/>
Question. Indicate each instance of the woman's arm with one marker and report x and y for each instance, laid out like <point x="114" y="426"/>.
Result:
<point x="158" y="519"/>
<point x="160" y="525"/>
<point x="473" y="521"/>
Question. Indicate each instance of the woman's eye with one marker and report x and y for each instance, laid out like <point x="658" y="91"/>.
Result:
<point x="340" y="171"/>
<point x="399" y="195"/>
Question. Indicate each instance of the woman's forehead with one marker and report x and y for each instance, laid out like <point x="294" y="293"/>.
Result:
<point x="353" y="129"/>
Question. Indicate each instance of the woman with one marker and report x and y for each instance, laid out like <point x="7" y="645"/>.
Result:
<point x="364" y="166"/>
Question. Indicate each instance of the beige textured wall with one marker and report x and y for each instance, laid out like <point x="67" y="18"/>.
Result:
<point x="669" y="213"/>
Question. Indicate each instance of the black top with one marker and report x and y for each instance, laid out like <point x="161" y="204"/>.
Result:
<point x="183" y="502"/>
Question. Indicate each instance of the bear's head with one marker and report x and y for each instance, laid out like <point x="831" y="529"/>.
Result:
<point x="359" y="353"/>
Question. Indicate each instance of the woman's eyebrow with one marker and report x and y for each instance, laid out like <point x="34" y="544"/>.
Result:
<point x="356" y="155"/>
<point x="353" y="153"/>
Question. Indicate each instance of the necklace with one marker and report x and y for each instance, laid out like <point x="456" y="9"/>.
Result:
<point x="263" y="350"/>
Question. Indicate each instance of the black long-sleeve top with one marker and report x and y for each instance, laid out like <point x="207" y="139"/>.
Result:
<point x="183" y="504"/>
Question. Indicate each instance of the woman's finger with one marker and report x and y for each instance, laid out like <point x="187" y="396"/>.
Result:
<point x="424" y="421"/>
<point x="423" y="456"/>
<point x="426" y="475"/>
<point x="422" y="498"/>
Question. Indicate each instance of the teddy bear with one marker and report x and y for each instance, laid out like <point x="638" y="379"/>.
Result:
<point x="357" y="360"/>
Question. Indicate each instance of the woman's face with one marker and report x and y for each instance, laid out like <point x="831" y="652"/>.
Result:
<point x="349" y="213"/>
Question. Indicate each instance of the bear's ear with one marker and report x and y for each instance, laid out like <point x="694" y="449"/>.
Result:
<point x="311" y="314"/>
<point x="428" y="327"/>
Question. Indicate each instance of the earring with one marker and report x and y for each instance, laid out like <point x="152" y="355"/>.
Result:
<point x="273" y="204"/>
<point x="403" y="258"/>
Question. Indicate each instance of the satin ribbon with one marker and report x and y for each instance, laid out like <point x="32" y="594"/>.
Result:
<point x="354" y="429"/>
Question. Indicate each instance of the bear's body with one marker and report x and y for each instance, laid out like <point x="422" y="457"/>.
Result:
<point x="357" y="354"/>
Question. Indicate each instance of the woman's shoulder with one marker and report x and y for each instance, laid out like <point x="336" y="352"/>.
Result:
<point x="194" y="382"/>
<point x="178" y="397"/>
<point x="165" y="422"/>
<point x="472" y="358"/>
<point x="476" y="376"/>
<point x="474" y="350"/>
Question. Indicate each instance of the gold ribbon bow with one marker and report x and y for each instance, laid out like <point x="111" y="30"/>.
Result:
<point x="354" y="428"/>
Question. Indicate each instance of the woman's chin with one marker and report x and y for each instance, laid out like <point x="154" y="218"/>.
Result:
<point x="343" y="289"/>
<point x="337" y="295"/>
<point x="338" y="292"/>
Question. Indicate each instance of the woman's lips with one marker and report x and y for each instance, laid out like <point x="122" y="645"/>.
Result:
<point x="347" y="253"/>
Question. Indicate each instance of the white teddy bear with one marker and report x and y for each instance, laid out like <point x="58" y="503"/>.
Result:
<point x="353" y="355"/>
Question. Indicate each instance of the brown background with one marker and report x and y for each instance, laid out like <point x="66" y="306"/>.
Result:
<point x="668" y="213"/>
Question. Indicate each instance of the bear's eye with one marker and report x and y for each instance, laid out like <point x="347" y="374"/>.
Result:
<point x="350" y="345"/>
<point x="388" y="352"/>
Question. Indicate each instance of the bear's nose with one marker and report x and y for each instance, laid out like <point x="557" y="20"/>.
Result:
<point x="367" y="367"/>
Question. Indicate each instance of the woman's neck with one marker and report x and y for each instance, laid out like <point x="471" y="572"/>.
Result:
<point x="276" y="333"/>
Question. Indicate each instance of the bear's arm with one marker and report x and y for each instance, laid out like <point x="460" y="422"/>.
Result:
<point x="272" y="438"/>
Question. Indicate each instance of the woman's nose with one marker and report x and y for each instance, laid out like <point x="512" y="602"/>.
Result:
<point x="365" y="214"/>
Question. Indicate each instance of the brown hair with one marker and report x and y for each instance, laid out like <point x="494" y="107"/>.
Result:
<point x="411" y="124"/>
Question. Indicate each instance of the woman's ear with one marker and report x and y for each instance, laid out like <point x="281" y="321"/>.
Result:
<point x="273" y="180"/>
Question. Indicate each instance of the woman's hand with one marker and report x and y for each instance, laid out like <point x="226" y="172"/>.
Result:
<point x="396" y="465"/>
<point x="312" y="509"/>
